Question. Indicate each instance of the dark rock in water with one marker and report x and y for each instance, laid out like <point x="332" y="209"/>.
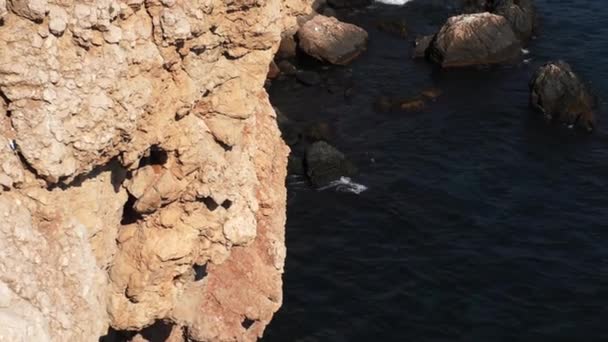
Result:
<point x="395" y="27"/>
<point x="309" y="78"/>
<point x="295" y="165"/>
<point x="421" y="44"/>
<point x="318" y="131"/>
<point x="474" y="39"/>
<point x="519" y="13"/>
<point x="558" y="93"/>
<point x="273" y="71"/>
<point x="324" y="164"/>
<point x="327" y="39"/>
<point x="287" y="68"/>
<point x="416" y="104"/>
<point x="348" y="3"/>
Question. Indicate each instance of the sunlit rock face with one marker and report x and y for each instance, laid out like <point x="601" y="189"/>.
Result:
<point x="138" y="147"/>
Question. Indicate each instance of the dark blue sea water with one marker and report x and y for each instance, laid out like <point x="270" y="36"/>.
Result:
<point x="480" y="222"/>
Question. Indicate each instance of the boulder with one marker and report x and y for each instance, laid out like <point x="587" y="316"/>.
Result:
<point x="558" y="93"/>
<point x="474" y="39"/>
<point x="330" y="40"/>
<point x="520" y="14"/>
<point x="324" y="164"/>
<point x="421" y="44"/>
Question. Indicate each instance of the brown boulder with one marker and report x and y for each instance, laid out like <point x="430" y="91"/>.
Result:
<point x="558" y="93"/>
<point x="330" y="40"/>
<point x="474" y="39"/>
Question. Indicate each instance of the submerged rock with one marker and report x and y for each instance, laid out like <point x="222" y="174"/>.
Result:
<point x="309" y="78"/>
<point x="421" y="44"/>
<point x="395" y="27"/>
<point x="324" y="164"/>
<point x="474" y="39"/>
<point x="558" y="93"/>
<point x="431" y="93"/>
<point x="412" y="105"/>
<point x="330" y="40"/>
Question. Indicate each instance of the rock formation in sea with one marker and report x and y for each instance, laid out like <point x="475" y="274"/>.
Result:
<point x="560" y="95"/>
<point x="474" y="39"/>
<point x="141" y="168"/>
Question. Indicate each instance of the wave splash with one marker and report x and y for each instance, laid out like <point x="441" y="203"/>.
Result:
<point x="393" y="2"/>
<point x="345" y="184"/>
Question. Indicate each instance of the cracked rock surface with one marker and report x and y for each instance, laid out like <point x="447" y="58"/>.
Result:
<point x="136" y="144"/>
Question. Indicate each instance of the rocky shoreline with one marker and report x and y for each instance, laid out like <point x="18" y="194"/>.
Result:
<point x="142" y="182"/>
<point x="483" y="33"/>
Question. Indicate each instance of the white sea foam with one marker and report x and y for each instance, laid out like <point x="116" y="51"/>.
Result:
<point x="345" y="184"/>
<point x="393" y="2"/>
<point x="525" y="51"/>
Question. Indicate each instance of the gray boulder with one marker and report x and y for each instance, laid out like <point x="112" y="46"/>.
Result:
<point x="324" y="164"/>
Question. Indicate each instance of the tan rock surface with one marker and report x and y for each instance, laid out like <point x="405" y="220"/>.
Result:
<point x="137" y="145"/>
<point x="330" y="40"/>
<point x="474" y="39"/>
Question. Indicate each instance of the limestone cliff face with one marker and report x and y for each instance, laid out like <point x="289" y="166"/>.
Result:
<point x="141" y="168"/>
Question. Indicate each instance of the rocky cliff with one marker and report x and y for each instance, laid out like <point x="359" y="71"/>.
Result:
<point x="141" y="168"/>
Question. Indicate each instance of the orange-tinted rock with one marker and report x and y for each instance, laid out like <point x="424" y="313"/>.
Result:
<point x="474" y="39"/>
<point x="329" y="40"/>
